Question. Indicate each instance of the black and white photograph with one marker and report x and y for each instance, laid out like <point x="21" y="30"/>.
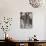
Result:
<point x="26" y="20"/>
<point x="35" y="3"/>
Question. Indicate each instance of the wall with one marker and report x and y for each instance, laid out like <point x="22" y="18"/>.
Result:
<point x="12" y="8"/>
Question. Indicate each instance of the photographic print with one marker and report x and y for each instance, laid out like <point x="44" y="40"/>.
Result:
<point x="26" y="20"/>
<point x="36" y="3"/>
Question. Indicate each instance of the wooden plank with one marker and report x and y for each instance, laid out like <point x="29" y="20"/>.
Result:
<point x="25" y="44"/>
